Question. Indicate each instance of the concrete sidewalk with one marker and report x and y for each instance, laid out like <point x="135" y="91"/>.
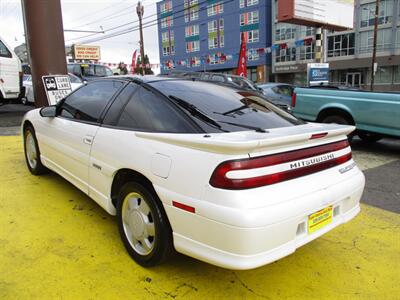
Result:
<point x="56" y="243"/>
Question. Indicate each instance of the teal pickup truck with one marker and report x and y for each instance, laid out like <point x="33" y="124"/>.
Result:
<point x="375" y="115"/>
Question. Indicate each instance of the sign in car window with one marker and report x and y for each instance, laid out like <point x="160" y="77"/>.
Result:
<point x="318" y="74"/>
<point x="57" y="87"/>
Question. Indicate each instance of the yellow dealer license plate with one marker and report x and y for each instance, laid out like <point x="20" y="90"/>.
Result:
<point x="319" y="219"/>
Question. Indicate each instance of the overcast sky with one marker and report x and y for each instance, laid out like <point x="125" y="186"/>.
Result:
<point x="90" y="15"/>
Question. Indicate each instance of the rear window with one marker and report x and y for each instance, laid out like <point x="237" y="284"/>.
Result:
<point x="228" y="105"/>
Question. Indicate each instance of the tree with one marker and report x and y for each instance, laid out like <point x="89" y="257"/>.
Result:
<point x="147" y="69"/>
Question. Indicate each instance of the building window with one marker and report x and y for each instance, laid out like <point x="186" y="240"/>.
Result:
<point x="215" y="9"/>
<point x="166" y="7"/>
<point x="383" y="40"/>
<point x="249" y="18"/>
<point x="192" y="30"/>
<point x="251" y="36"/>
<point x="368" y="13"/>
<point x="191" y="10"/>
<point x="214" y="59"/>
<point x="252" y="54"/>
<point x="306" y="31"/>
<point x="167" y="22"/>
<point x="384" y="75"/>
<point x="216" y="34"/>
<point x="398" y="35"/>
<point x="192" y="46"/>
<point x="252" y="74"/>
<point x="284" y="31"/>
<point x="341" y="45"/>
<point x="246" y="3"/>
<point x="307" y="52"/>
<point x="167" y="39"/>
<point x="195" y="61"/>
<point x="216" y="42"/>
<point x="396" y="74"/>
<point x="284" y="55"/>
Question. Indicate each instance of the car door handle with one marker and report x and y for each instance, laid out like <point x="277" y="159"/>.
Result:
<point x="88" y="140"/>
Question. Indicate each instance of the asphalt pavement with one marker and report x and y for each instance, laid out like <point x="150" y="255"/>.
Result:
<point x="11" y="116"/>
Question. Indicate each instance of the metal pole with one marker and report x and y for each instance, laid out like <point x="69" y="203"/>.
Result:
<point x="45" y="43"/>
<point x="140" y="11"/>
<point x="374" y="47"/>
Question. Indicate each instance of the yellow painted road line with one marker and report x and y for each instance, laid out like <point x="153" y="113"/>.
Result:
<point x="56" y="243"/>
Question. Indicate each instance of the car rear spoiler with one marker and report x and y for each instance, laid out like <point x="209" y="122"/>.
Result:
<point x="249" y="141"/>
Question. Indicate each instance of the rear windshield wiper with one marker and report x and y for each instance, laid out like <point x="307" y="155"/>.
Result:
<point x="258" y="129"/>
<point x="194" y="111"/>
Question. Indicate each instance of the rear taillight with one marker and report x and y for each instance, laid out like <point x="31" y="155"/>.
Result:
<point x="294" y="99"/>
<point x="275" y="168"/>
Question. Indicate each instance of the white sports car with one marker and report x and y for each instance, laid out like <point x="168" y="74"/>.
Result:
<point x="212" y="172"/>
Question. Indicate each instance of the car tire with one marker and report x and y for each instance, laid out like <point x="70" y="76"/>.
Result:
<point x="369" y="137"/>
<point x="143" y="224"/>
<point x="338" y="119"/>
<point x="32" y="153"/>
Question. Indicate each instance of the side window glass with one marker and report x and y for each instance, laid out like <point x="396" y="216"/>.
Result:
<point x="285" y="90"/>
<point x="218" y="78"/>
<point x="74" y="79"/>
<point x="87" y="103"/>
<point x="119" y="103"/>
<point x="147" y="111"/>
<point x="276" y="90"/>
<point x="100" y="71"/>
<point x="4" y="52"/>
<point x="109" y="72"/>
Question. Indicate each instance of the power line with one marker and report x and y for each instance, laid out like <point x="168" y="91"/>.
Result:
<point x="129" y="23"/>
<point x="99" y="10"/>
<point x="149" y="23"/>
<point x="115" y="15"/>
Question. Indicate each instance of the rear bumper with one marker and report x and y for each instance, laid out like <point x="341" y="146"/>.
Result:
<point x="245" y="247"/>
<point x="235" y="261"/>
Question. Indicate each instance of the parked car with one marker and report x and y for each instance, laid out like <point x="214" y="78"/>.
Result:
<point x="221" y="78"/>
<point x="374" y="114"/>
<point x="229" y="80"/>
<point x="10" y="73"/>
<point x="88" y="72"/>
<point x="279" y="93"/>
<point x="29" y="98"/>
<point x="213" y="172"/>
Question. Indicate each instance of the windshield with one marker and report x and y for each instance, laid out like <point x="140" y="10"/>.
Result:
<point x="228" y="106"/>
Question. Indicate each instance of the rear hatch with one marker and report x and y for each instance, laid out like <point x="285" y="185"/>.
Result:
<point x="275" y="156"/>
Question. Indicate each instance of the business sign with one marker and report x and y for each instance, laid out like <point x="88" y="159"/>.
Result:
<point x="329" y="14"/>
<point x="317" y="74"/>
<point x="57" y="87"/>
<point x="87" y="52"/>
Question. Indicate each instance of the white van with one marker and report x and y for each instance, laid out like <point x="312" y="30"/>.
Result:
<point x="10" y="73"/>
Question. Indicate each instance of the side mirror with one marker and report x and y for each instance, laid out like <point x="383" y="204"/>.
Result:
<point x="49" y="111"/>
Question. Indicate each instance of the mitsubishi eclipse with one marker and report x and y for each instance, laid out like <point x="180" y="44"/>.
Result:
<point x="216" y="173"/>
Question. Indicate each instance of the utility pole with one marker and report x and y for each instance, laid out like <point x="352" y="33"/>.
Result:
<point x="45" y="43"/>
<point x="140" y="11"/>
<point x="374" y="48"/>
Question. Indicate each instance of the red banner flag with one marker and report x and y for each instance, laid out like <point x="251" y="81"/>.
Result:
<point x="133" y="62"/>
<point x="242" y="63"/>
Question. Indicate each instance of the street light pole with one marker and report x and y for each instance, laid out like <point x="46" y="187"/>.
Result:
<point x="374" y="47"/>
<point x="140" y="11"/>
